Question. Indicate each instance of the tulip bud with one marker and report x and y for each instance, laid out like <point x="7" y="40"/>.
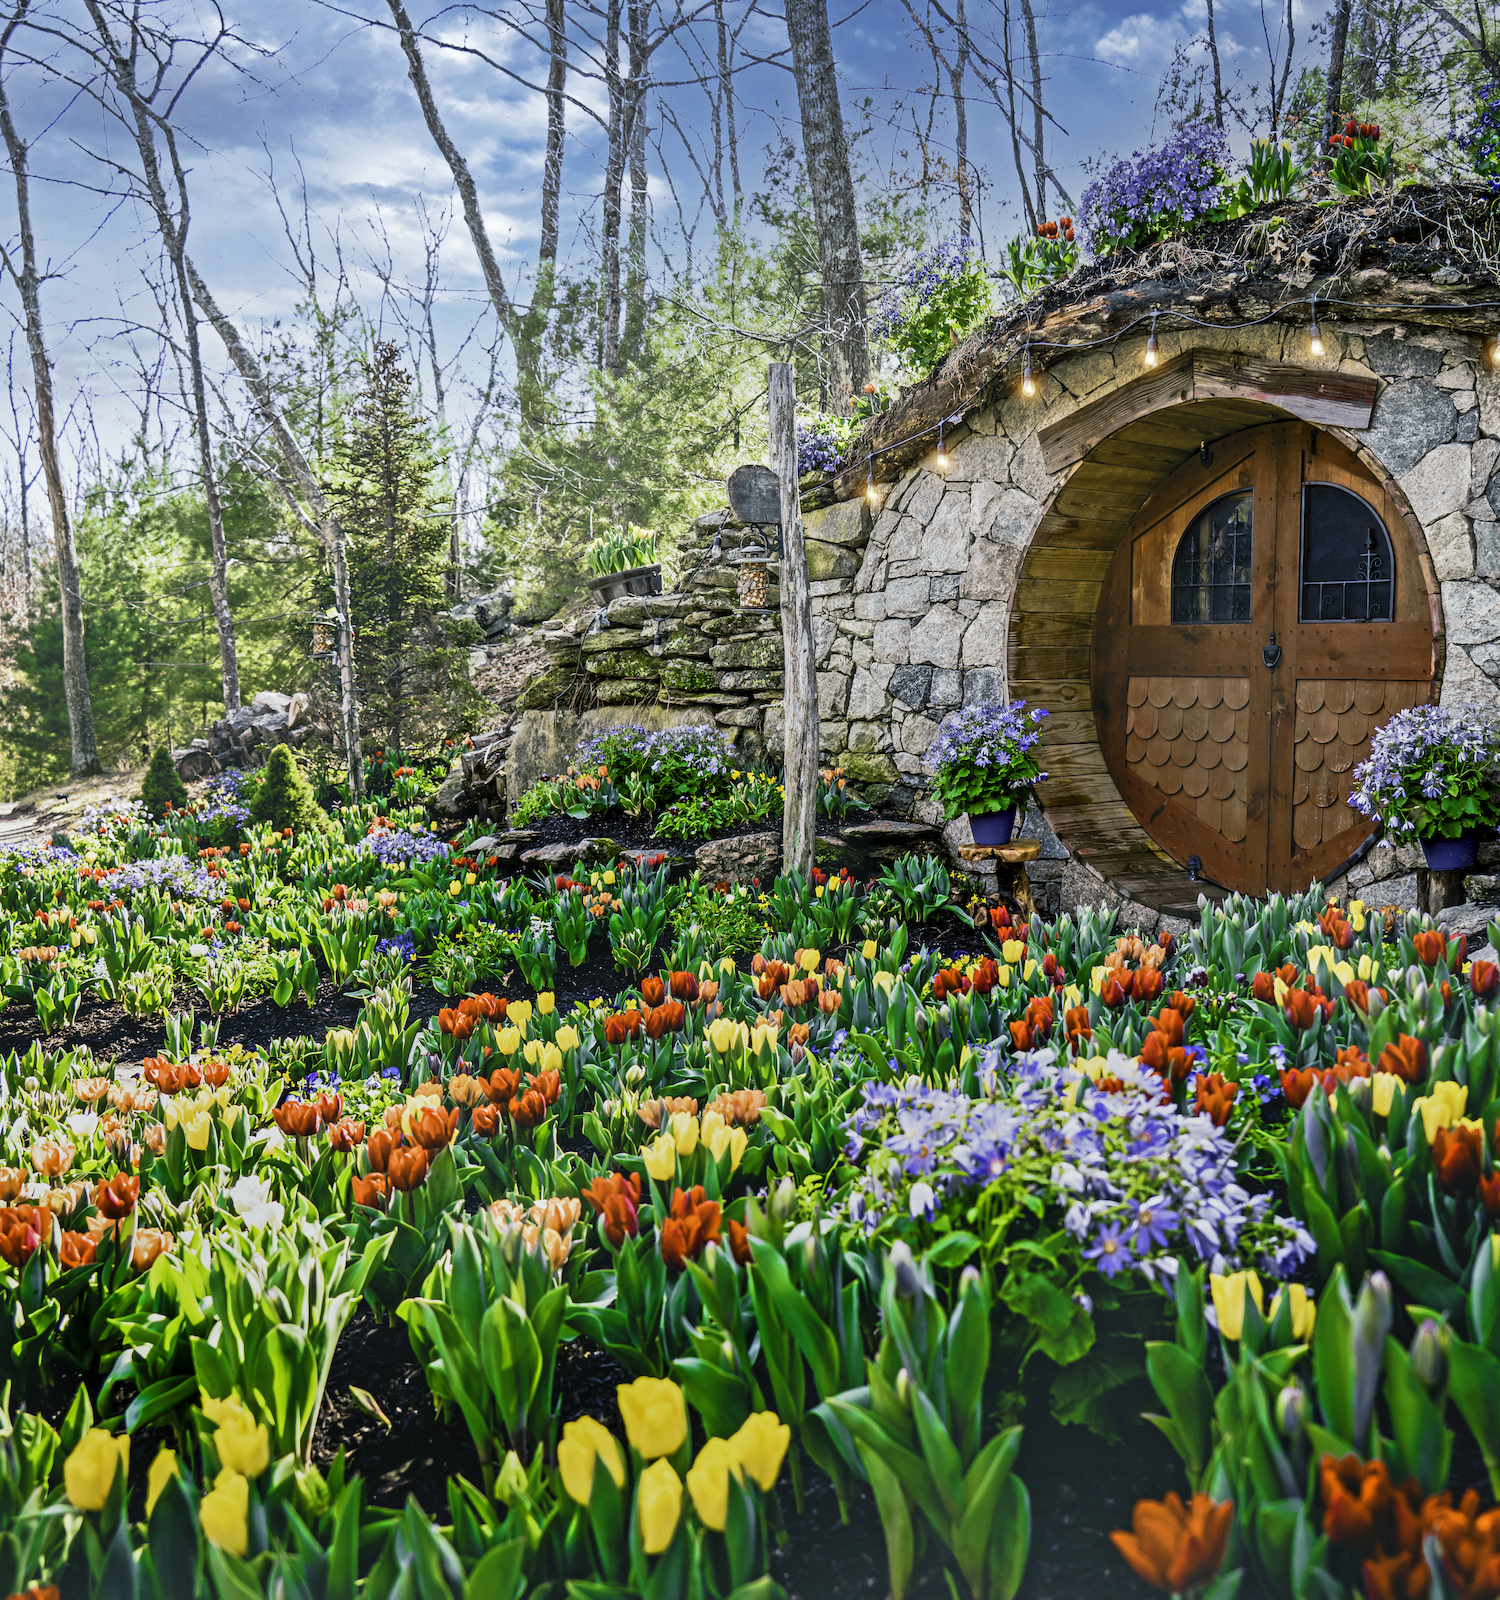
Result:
<point x="512" y="1483"/>
<point x="726" y="1349"/>
<point x="920" y="1022"/>
<point x="1372" y="1322"/>
<point x="969" y="1276"/>
<point x="1419" y="994"/>
<point x="903" y="1388"/>
<point x="1291" y="1411"/>
<point x="783" y="1201"/>
<point x="1374" y="1005"/>
<point x="1429" y="1358"/>
<point x="635" y="1073"/>
<point x="1362" y="1093"/>
<point x="908" y="1284"/>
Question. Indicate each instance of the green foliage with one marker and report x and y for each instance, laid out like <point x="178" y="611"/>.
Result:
<point x="1360" y="165"/>
<point x="620" y="551"/>
<point x="1033" y="261"/>
<point x="162" y="786"/>
<point x="285" y="798"/>
<point x="1271" y="174"/>
<point x="384" y="468"/>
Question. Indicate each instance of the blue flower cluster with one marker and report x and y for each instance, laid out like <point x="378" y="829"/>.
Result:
<point x="223" y="800"/>
<point x="1135" y="1182"/>
<point x="1155" y="193"/>
<point x="173" y="876"/>
<point x="1482" y="138"/>
<point x="700" y="750"/>
<point x="402" y="945"/>
<point x="398" y="847"/>
<point x="115" y="815"/>
<point x="985" y="735"/>
<point x="928" y="277"/>
<point x="819" y="449"/>
<point x="30" y="854"/>
<point x="1425" y="754"/>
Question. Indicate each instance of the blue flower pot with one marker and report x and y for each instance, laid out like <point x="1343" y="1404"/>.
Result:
<point x="993" y="827"/>
<point x="1451" y="855"/>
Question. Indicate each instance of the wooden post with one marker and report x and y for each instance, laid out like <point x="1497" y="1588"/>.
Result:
<point x="800" y="710"/>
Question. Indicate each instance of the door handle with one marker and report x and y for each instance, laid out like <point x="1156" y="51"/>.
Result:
<point x="1271" y="653"/>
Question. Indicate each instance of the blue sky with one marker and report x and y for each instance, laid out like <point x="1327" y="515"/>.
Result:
<point x="327" y="100"/>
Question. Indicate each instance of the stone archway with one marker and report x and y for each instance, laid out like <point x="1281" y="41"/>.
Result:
<point x="1121" y="450"/>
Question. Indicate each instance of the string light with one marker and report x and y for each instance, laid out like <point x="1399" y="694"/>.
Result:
<point x="1489" y="354"/>
<point x="941" y="459"/>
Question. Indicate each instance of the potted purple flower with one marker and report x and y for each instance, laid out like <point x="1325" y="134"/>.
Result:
<point x="983" y="764"/>
<point x="1433" y="775"/>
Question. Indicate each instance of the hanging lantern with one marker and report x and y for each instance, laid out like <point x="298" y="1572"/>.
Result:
<point x="753" y="562"/>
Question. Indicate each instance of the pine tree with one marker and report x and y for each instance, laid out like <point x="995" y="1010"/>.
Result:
<point x="385" y="495"/>
<point x="284" y="797"/>
<point x="163" y="786"/>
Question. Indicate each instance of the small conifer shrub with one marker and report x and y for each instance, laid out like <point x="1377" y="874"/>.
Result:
<point x="163" y="788"/>
<point x="285" y="798"/>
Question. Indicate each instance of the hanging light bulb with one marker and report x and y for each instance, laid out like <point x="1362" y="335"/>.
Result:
<point x="1490" y="350"/>
<point x="1153" y="349"/>
<point x="1315" y="333"/>
<point x="870" y="481"/>
<point x="940" y="460"/>
<point x="1028" y="383"/>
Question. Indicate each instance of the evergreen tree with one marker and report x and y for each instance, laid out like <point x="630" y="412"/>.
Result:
<point x="284" y="797"/>
<point x="163" y="786"/>
<point x="384" y="492"/>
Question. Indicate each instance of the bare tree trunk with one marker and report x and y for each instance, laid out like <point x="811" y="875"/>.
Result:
<point x="1213" y="51"/>
<point x="614" y="179"/>
<point x="846" y="341"/>
<point x="635" y="274"/>
<point x="1333" y="108"/>
<point x="726" y="83"/>
<point x="84" y="753"/>
<point x="1038" y="115"/>
<point x="314" y="510"/>
<point x="961" y="126"/>
<point x="552" y="166"/>
<point x="527" y="347"/>
<point x="1032" y="215"/>
<point x="799" y="818"/>
<point x="174" y="229"/>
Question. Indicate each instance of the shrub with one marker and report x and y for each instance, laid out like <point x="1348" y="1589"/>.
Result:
<point x="1432" y="774"/>
<point x="285" y="798"/>
<point x="163" y="787"/>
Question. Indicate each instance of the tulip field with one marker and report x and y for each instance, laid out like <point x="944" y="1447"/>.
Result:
<point x="377" y="1219"/>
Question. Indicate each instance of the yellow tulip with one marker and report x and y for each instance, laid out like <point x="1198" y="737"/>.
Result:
<point x="761" y="1446"/>
<point x="1442" y="1107"/>
<point x="1073" y="995"/>
<point x="163" y="1470"/>
<point x="1369" y="968"/>
<point x="1382" y="1092"/>
<point x="1343" y="972"/>
<point x="198" y="1125"/>
<point x="609" y="879"/>
<point x="509" y="1041"/>
<point x="89" y="1473"/>
<point x="584" y="1440"/>
<point x="709" y="1127"/>
<point x="724" y="1035"/>
<point x="764" y="1038"/>
<point x="1356" y="920"/>
<point x="567" y="1037"/>
<point x="1304" y="1312"/>
<point x="734" y="1140"/>
<point x="1029" y="971"/>
<point x="518" y="1014"/>
<point x="727" y="968"/>
<point x="708" y="1482"/>
<point x="1096" y="979"/>
<point x="546" y="1003"/>
<point x="1003" y="975"/>
<point x="869" y="950"/>
<point x="655" y="1416"/>
<point x="684" y="1132"/>
<point x="809" y="960"/>
<point x="552" y="1059"/>
<point x="224" y="1513"/>
<point x="886" y="980"/>
<point x="532" y="1054"/>
<point x="243" y="1445"/>
<point x="455" y="888"/>
<point x="659" y="1497"/>
<point x="1229" y="1300"/>
<point x="470" y="879"/>
<point x="1013" y="951"/>
<point x="660" y="1157"/>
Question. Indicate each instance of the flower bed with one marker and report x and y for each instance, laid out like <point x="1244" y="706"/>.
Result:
<point x="698" y="1241"/>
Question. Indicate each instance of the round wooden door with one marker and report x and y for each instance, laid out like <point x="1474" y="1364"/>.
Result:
<point x="1264" y="615"/>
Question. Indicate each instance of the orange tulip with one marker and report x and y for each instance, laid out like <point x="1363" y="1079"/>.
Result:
<point x="1457" y="1157"/>
<point x="116" y="1197"/>
<point x="1484" y="978"/>
<point x="432" y="1127"/>
<point x="1148" y="985"/>
<point x="408" y="1168"/>
<point x="503" y="1083"/>
<point x="297" y="1119"/>
<point x="486" y="1120"/>
<point x="653" y="991"/>
<point x="380" y="1146"/>
<point x="1431" y="948"/>
<point x="76" y="1250"/>
<point x="1297" y="1084"/>
<point x="684" y="987"/>
<point x="692" y="1225"/>
<point x="616" y="1198"/>
<point x="330" y="1108"/>
<point x="370" y="1191"/>
<point x="21" y="1233"/>
<point x="739" y="1242"/>
<point x="1406" y="1059"/>
<point x="1177" y="1548"/>
<point x="1489" y="1195"/>
<point x="1215" y="1096"/>
<point x="346" y="1135"/>
<point x="529" y="1109"/>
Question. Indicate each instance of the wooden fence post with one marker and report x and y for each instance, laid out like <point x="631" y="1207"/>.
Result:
<point x="800" y="694"/>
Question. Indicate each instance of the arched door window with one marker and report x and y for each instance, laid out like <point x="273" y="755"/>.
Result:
<point x="1211" y="569"/>
<point x="1347" y="568"/>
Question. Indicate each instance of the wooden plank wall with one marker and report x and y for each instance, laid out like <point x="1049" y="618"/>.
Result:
<point x="1052" y="629"/>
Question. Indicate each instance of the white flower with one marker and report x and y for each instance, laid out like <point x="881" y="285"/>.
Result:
<point x="922" y="1200"/>
<point x="252" y="1200"/>
<point x="199" y="950"/>
<point x="82" y="1124"/>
